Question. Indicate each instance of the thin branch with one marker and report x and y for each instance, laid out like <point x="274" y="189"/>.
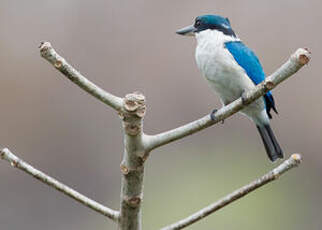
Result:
<point x="292" y="162"/>
<point x="20" y="164"/>
<point x="295" y="62"/>
<point x="48" y="52"/>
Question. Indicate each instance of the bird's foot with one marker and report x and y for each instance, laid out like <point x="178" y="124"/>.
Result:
<point x="244" y="98"/>
<point x="212" y="114"/>
<point x="213" y="117"/>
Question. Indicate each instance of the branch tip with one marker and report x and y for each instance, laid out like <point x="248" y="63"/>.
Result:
<point x="2" y="152"/>
<point x="302" y="56"/>
<point x="135" y="103"/>
<point x="297" y="157"/>
<point x="44" y="47"/>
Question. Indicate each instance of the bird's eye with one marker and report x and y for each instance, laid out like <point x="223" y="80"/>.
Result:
<point x="197" y="23"/>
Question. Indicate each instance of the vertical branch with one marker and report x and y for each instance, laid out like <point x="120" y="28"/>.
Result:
<point x="132" y="166"/>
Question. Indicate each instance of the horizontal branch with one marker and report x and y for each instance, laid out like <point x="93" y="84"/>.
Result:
<point x="295" y="62"/>
<point x="48" y="52"/>
<point x="292" y="162"/>
<point x="20" y="164"/>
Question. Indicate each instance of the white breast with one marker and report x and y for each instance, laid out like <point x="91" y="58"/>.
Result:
<point x="218" y="66"/>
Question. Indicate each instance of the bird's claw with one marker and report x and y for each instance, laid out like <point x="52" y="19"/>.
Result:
<point x="244" y="98"/>
<point x="212" y="114"/>
<point x="213" y="117"/>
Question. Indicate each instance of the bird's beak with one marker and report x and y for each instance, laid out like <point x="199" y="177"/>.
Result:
<point x="187" y="31"/>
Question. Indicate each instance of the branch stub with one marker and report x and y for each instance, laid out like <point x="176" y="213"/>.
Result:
<point x="304" y="59"/>
<point x="135" y="103"/>
<point x="58" y="64"/>
<point x="269" y="85"/>
<point x="44" y="47"/>
<point x="297" y="157"/>
<point x="133" y="201"/>
<point x="132" y="129"/>
<point x="124" y="169"/>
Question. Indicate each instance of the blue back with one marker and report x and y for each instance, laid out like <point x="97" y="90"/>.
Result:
<point x="246" y="58"/>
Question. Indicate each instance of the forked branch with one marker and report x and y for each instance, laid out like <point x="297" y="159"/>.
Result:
<point x="20" y="164"/>
<point x="292" y="162"/>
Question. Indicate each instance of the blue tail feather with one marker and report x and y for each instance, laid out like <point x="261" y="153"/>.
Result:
<point x="270" y="104"/>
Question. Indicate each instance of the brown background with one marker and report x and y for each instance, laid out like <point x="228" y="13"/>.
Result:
<point x="125" y="46"/>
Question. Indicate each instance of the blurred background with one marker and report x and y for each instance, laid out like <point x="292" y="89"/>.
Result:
<point x="125" y="46"/>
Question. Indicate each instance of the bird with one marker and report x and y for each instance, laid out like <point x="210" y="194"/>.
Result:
<point x="231" y="69"/>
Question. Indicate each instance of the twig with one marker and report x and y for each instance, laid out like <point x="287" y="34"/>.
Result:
<point x="48" y="52"/>
<point x="20" y="164"/>
<point x="295" y="62"/>
<point x="292" y="162"/>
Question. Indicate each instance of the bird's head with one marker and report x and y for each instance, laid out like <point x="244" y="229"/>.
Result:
<point x="208" y="22"/>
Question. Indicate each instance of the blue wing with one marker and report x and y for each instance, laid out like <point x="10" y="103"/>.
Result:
<point x="246" y="58"/>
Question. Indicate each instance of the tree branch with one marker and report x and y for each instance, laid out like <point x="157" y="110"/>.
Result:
<point x="48" y="52"/>
<point x="132" y="166"/>
<point x="20" y="164"/>
<point x="292" y="162"/>
<point x="295" y="62"/>
<point x="138" y="145"/>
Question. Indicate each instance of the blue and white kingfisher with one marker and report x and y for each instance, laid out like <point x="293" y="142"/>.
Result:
<point x="231" y="68"/>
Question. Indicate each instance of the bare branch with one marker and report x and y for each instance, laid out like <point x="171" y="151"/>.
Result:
<point x="292" y="162"/>
<point x="48" y="52"/>
<point x="295" y="62"/>
<point x="20" y="164"/>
